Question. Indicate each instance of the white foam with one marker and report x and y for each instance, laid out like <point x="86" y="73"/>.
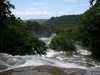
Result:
<point x="84" y="52"/>
<point x="52" y="58"/>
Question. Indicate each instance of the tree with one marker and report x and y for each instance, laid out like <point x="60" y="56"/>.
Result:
<point x="15" y="38"/>
<point x="5" y="12"/>
<point x="91" y="1"/>
<point x="89" y="30"/>
<point x="64" y="41"/>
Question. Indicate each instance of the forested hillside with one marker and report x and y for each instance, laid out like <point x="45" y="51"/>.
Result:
<point x="37" y="29"/>
<point x="63" y="20"/>
<point x="40" y="21"/>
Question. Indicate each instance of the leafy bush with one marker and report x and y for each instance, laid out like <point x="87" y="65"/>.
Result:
<point x="64" y="41"/>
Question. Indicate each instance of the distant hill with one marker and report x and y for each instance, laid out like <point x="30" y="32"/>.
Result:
<point x="40" y="21"/>
<point x="63" y="20"/>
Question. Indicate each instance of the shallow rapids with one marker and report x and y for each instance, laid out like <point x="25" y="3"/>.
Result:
<point x="53" y="58"/>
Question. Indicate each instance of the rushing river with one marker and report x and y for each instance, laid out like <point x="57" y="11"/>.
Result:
<point x="82" y="59"/>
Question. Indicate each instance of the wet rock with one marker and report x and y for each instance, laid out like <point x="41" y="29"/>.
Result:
<point x="70" y="53"/>
<point x="39" y="70"/>
<point x="51" y="70"/>
<point x="32" y="73"/>
<point x="90" y="65"/>
<point x="24" y="71"/>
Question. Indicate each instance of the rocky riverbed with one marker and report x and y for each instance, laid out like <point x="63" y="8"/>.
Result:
<point x="51" y="70"/>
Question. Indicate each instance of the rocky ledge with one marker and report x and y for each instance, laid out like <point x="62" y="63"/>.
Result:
<point x="51" y="70"/>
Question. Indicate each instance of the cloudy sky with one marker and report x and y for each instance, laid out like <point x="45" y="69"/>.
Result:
<point x="45" y="9"/>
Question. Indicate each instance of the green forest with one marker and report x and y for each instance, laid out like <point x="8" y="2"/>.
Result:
<point x="18" y="37"/>
<point x="87" y="32"/>
<point x="64" y="20"/>
<point x="15" y="35"/>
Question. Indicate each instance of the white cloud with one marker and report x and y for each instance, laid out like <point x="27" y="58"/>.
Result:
<point x="28" y="12"/>
<point x="33" y="9"/>
<point x="87" y="4"/>
<point x="38" y="3"/>
<point x="77" y="13"/>
<point x="67" y="8"/>
<point x="68" y="13"/>
<point x="32" y="13"/>
<point x="63" y="13"/>
<point x="71" y="0"/>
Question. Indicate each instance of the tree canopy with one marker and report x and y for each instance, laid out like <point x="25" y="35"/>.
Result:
<point x="89" y="29"/>
<point x="15" y="37"/>
<point x="91" y="1"/>
<point x="64" y="41"/>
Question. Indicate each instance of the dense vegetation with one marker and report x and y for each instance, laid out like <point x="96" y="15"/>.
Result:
<point x="64" y="41"/>
<point x="89" y="29"/>
<point x="63" y="20"/>
<point x="40" y="30"/>
<point x="57" y="24"/>
<point x="87" y="32"/>
<point x="15" y="37"/>
<point x="18" y="37"/>
<point x="37" y="29"/>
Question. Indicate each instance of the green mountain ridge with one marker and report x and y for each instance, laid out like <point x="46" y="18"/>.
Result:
<point x="63" y="20"/>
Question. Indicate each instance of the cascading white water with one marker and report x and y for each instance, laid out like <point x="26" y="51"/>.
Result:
<point x="82" y="51"/>
<point x="53" y="58"/>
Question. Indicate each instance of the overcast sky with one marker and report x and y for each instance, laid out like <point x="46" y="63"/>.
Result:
<point x="45" y="9"/>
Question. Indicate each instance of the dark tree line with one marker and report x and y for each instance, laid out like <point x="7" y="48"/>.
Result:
<point x="15" y="37"/>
